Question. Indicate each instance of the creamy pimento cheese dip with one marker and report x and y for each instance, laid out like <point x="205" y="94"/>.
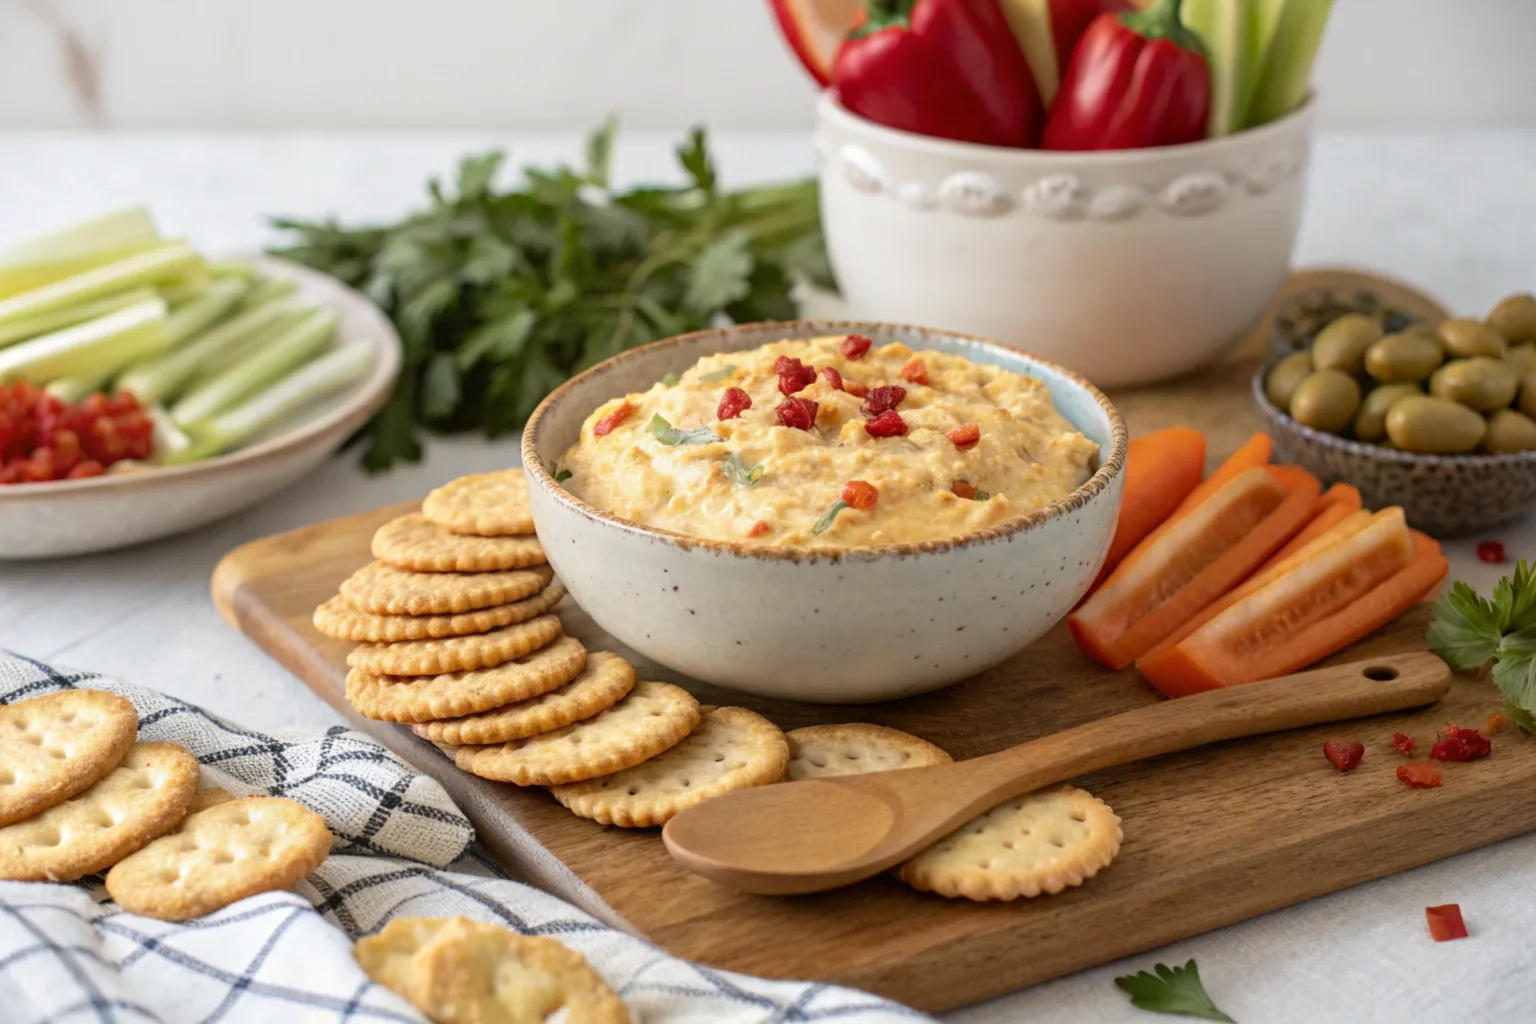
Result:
<point x="889" y="447"/>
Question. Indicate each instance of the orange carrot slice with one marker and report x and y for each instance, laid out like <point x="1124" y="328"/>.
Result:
<point x="1321" y="605"/>
<point x="1184" y="566"/>
<point x="1161" y="469"/>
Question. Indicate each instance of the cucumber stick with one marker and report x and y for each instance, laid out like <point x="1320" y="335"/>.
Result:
<point x="97" y="346"/>
<point x="256" y="370"/>
<point x="1287" y="70"/>
<point x="154" y="266"/>
<point x="309" y="383"/>
<point x="165" y="378"/>
<point x="1230" y="31"/>
<point x="31" y="326"/>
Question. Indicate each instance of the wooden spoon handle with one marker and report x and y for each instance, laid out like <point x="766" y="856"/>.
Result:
<point x="1355" y="690"/>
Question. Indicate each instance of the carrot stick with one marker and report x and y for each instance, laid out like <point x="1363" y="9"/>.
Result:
<point x="1161" y="469"/>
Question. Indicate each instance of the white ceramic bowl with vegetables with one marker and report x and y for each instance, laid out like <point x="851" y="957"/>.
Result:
<point x="842" y="625"/>
<point x="266" y="402"/>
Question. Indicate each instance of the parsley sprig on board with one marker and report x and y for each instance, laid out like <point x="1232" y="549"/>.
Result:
<point x="499" y="296"/>
<point x="1468" y="631"/>
<point x="1171" y="990"/>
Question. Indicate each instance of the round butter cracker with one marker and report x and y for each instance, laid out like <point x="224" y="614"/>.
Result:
<point x="653" y="718"/>
<point x="456" y="653"/>
<point x="384" y="590"/>
<point x="57" y="745"/>
<point x="416" y="543"/>
<point x="732" y="748"/>
<point x="456" y="694"/>
<point x="605" y="680"/>
<point x="822" y="751"/>
<point x="482" y="505"/>
<point x="338" y="619"/>
<point x="1042" y="842"/>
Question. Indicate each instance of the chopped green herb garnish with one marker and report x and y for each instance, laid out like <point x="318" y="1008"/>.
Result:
<point x="739" y="474"/>
<point x="1467" y="631"/>
<point x="670" y="379"/>
<point x="1171" y="990"/>
<point x="562" y="475"/>
<point x="718" y="375"/>
<point x="667" y="434"/>
<point x="826" y="520"/>
<point x="982" y="495"/>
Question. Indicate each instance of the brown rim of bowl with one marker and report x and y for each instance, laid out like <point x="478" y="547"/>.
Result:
<point x="369" y="398"/>
<point x="1108" y="467"/>
<point x="1367" y="450"/>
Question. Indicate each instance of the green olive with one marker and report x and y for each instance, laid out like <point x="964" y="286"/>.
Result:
<point x="1284" y="376"/>
<point x="1409" y="355"/>
<point x="1371" y="420"/>
<point x="1420" y="423"/>
<point x="1521" y="359"/>
<point x="1326" y="401"/>
<point x="1510" y="431"/>
<point x="1342" y="344"/>
<point x="1463" y="338"/>
<point x="1527" y="402"/>
<point x="1515" y="318"/>
<point x="1483" y="383"/>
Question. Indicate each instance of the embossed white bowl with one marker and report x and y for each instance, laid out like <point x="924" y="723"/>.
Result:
<point x="1129" y="266"/>
<point x="854" y="626"/>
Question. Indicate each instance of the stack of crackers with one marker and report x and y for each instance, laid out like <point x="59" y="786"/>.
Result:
<point x="80" y="795"/>
<point x="458" y="639"/>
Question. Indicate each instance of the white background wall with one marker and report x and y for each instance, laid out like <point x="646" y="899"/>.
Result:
<point x="564" y="63"/>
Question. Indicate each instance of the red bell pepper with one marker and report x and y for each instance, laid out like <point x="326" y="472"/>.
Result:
<point x="1136" y="79"/>
<point x="946" y="68"/>
<point x="1070" y="20"/>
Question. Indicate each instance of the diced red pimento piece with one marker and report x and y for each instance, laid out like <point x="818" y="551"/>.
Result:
<point x="732" y="404"/>
<point x="965" y="436"/>
<point x="963" y="489"/>
<point x="794" y="376"/>
<point x="1445" y="922"/>
<point x="1461" y="745"/>
<point x="1344" y="754"/>
<point x="883" y="398"/>
<point x="855" y="346"/>
<point x="832" y="377"/>
<point x="799" y="413"/>
<point x="887" y="424"/>
<point x="1404" y="743"/>
<point x="854" y="388"/>
<point x="1419" y="775"/>
<point x="915" y="371"/>
<point x="1490" y="551"/>
<point x="1496" y="723"/>
<point x="606" y="425"/>
<point x="758" y="528"/>
<point x="860" y="495"/>
<point x="88" y="468"/>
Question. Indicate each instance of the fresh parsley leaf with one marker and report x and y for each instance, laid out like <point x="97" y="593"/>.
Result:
<point x="983" y="495"/>
<point x="440" y="388"/>
<point x="1463" y="628"/>
<point x="826" y="519"/>
<point x="737" y="472"/>
<point x="1514" y="599"/>
<point x="722" y="275"/>
<point x="1467" y="631"/>
<point x="600" y="152"/>
<point x="1171" y="990"/>
<point x="1514" y="668"/>
<point x="694" y="156"/>
<point x="719" y="375"/>
<point x="667" y="434"/>
<point x="562" y="475"/>
<point x="669" y="380"/>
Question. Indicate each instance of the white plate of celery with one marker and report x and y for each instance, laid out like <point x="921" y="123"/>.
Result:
<point x="243" y="376"/>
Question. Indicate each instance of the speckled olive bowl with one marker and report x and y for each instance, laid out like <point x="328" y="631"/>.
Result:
<point x="1443" y="495"/>
<point x="852" y="626"/>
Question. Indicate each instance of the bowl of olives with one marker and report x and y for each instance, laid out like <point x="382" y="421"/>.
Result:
<point x="1439" y="418"/>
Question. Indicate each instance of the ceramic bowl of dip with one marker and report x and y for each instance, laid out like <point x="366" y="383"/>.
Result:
<point x="851" y="625"/>
<point x="1130" y="266"/>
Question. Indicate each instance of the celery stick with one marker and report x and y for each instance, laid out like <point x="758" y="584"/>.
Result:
<point x="78" y="248"/>
<point x="266" y="289"/>
<point x="330" y="373"/>
<point x="1287" y="73"/>
<point x="73" y="389"/>
<point x="288" y="351"/>
<point x="163" y="263"/>
<point x="1230" y="31"/>
<point x="185" y="290"/>
<point x="103" y="344"/>
<point x="164" y="378"/>
<point x="232" y="268"/>
<point x="206" y="310"/>
<point x="168" y="438"/>
<point x="29" y="327"/>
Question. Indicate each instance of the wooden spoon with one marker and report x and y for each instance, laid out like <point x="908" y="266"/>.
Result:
<point x="819" y="834"/>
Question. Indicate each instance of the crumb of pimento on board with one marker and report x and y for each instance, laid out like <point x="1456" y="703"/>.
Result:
<point x="1495" y="723"/>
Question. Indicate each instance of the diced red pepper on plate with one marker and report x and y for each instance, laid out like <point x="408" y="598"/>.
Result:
<point x="1445" y="922"/>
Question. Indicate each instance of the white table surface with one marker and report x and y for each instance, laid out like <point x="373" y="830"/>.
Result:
<point x="1455" y="214"/>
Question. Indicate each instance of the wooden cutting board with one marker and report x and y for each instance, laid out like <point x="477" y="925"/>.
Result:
<point x="1212" y="837"/>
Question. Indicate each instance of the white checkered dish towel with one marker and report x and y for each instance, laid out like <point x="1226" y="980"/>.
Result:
<point x="402" y="849"/>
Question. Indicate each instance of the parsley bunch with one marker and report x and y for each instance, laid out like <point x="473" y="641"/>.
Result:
<point x="1467" y="631"/>
<point x="499" y="296"/>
